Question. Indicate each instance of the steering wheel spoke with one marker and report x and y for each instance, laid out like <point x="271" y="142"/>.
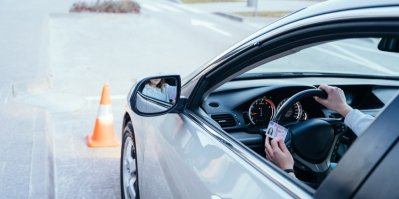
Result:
<point x="338" y="125"/>
<point x="315" y="167"/>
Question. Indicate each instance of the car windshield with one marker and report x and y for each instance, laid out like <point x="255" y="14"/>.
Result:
<point x="346" y="57"/>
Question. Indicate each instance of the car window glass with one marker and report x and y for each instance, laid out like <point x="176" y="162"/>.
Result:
<point x="346" y="56"/>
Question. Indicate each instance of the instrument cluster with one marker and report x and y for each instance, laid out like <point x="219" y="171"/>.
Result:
<point x="263" y="109"/>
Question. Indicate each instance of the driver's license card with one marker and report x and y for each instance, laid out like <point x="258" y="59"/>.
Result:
<point x="276" y="131"/>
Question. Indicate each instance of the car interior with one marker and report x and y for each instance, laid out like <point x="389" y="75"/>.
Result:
<point x="364" y="68"/>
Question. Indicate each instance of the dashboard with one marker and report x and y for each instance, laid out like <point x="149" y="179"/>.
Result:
<point x="244" y="108"/>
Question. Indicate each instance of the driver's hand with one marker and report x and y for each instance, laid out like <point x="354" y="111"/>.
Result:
<point x="278" y="153"/>
<point x="335" y="100"/>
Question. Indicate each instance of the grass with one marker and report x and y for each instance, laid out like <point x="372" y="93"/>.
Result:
<point x="264" y="14"/>
<point x="209" y="1"/>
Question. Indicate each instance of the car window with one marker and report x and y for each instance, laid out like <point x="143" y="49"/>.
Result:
<point x="246" y="106"/>
<point x="347" y="56"/>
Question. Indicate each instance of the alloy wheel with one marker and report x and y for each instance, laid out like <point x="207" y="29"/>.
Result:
<point x="129" y="169"/>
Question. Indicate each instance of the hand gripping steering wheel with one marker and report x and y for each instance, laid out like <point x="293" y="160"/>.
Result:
<point x="312" y="141"/>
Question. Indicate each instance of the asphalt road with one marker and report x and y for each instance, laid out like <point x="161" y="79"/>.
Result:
<point x="50" y="95"/>
<point x="165" y="38"/>
<point x="352" y="56"/>
<point x="52" y="78"/>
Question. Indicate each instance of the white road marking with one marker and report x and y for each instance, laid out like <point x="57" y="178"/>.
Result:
<point x="363" y="60"/>
<point x="152" y="8"/>
<point x="113" y="97"/>
<point x="209" y="25"/>
<point x="338" y="55"/>
<point x="368" y="49"/>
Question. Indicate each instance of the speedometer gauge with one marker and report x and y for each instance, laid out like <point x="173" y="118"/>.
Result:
<point x="261" y="110"/>
<point x="294" y="113"/>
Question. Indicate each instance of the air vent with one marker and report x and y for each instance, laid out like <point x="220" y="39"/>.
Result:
<point x="214" y="104"/>
<point x="225" y="120"/>
<point x="246" y="118"/>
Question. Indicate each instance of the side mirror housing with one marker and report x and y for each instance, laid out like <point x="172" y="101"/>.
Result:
<point x="157" y="95"/>
<point x="389" y="44"/>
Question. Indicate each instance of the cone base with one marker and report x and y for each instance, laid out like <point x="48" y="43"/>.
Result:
<point x="101" y="143"/>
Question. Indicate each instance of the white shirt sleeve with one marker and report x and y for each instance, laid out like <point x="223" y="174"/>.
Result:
<point x="358" y="121"/>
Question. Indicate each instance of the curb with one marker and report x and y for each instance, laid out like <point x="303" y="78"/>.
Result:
<point x="229" y="16"/>
<point x="42" y="166"/>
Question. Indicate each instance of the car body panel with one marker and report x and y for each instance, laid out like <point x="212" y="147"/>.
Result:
<point x="383" y="177"/>
<point x="182" y="155"/>
<point x="190" y="163"/>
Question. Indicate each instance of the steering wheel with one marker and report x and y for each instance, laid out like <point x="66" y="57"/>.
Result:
<point x="311" y="141"/>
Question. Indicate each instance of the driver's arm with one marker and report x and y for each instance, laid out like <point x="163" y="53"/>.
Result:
<point x="354" y="119"/>
<point x="358" y="121"/>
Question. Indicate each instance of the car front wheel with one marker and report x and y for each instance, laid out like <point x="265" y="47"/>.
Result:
<point x="128" y="165"/>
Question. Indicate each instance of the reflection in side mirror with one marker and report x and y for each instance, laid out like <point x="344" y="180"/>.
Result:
<point x="156" y="95"/>
<point x="162" y="89"/>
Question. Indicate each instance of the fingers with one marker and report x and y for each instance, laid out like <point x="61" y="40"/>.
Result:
<point x="268" y="148"/>
<point x="328" y="89"/>
<point x="275" y="147"/>
<point x="324" y="87"/>
<point x="268" y="157"/>
<point x="282" y="146"/>
<point x="318" y="99"/>
<point x="267" y="153"/>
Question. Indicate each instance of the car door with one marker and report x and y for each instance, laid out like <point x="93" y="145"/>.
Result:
<point x="184" y="157"/>
<point x="275" y="43"/>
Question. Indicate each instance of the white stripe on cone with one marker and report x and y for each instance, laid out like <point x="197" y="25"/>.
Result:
<point x="105" y="113"/>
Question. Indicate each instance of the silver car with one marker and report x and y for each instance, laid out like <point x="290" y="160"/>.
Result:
<point x="203" y="136"/>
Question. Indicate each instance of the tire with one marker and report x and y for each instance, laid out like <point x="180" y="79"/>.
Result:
<point x="128" y="164"/>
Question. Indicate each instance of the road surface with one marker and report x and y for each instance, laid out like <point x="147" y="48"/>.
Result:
<point x="53" y="85"/>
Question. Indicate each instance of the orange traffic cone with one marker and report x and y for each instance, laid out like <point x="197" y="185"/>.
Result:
<point x="103" y="134"/>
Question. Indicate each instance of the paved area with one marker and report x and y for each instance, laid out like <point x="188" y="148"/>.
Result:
<point x="80" y="171"/>
<point x="25" y="155"/>
<point x="24" y="165"/>
<point x="262" y="6"/>
<point x="131" y="46"/>
<point x="53" y="65"/>
<point x="88" y="49"/>
<point x="258" y="14"/>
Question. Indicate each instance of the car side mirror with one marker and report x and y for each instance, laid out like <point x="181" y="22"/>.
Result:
<point x="389" y="44"/>
<point x="156" y="95"/>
